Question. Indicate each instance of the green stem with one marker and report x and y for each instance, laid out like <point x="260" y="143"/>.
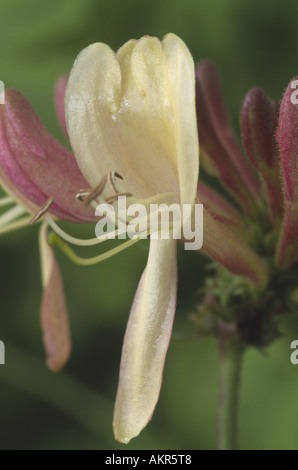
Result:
<point x="230" y="355"/>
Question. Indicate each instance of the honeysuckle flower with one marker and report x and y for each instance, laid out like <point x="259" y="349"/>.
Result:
<point x="134" y="116"/>
<point x="133" y="112"/>
<point x="33" y="169"/>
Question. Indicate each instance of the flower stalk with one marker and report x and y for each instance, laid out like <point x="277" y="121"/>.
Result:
<point x="230" y="366"/>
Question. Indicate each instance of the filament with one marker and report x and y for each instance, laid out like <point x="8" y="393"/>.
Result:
<point x="78" y="241"/>
<point x="11" y="214"/>
<point x="42" y="211"/>
<point x="96" y="191"/>
<point x="112" y="180"/>
<point x="54" y="239"/>
<point x="5" y="201"/>
<point x="60" y="238"/>
<point x="15" y="225"/>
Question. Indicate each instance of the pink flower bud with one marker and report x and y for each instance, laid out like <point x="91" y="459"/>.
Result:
<point x="287" y="139"/>
<point x="227" y="249"/>
<point x="259" y="122"/>
<point x="217" y="139"/>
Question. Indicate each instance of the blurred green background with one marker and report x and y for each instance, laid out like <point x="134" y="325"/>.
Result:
<point x="253" y="43"/>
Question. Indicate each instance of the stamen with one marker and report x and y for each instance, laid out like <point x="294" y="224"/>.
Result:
<point x="94" y="193"/>
<point x="42" y="211"/>
<point x="88" y="196"/>
<point x="5" y="201"/>
<point x="112" y="181"/>
<point x="82" y="194"/>
<point x="15" y="225"/>
<point x="54" y="239"/>
<point x="11" y="214"/>
<point x="78" y="241"/>
<point x="113" y="234"/>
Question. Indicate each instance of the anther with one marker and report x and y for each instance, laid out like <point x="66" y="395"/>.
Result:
<point x="112" y="180"/>
<point x="42" y="211"/>
<point x="82" y="194"/>
<point x="94" y="193"/>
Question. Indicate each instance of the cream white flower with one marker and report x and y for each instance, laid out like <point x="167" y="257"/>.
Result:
<point x="133" y="112"/>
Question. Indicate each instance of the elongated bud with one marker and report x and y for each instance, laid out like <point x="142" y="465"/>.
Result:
<point x="287" y="250"/>
<point x="228" y="152"/>
<point x="54" y="317"/>
<point x="258" y="124"/>
<point x="223" y="246"/>
<point x="221" y="209"/>
<point x="287" y="139"/>
<point x="211" y="146"/>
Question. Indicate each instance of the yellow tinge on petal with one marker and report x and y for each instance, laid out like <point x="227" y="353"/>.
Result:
<point x="146" y="341"/>
<point x="134" y="112"/>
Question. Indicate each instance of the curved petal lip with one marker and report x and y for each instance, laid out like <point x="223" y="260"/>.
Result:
<point x="134" y="112"/>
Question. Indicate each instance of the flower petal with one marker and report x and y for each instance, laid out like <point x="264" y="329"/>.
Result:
<point x="12" y="190"/>
<point x="54" y="317"/>
<point x="134" y="112"/>
<point x="146" y="341"/>
<point x="36" y="163"/>
<point x="182" y="78"/>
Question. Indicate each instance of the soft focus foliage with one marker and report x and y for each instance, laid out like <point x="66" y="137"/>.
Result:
<point x="253" y="44"/>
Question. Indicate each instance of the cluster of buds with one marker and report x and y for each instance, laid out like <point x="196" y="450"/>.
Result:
<point x="258" y="207"/>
